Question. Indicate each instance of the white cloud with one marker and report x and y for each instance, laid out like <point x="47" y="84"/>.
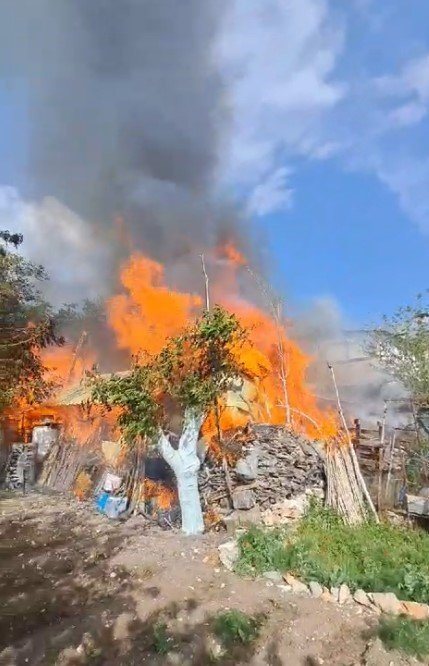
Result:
<point x="406" y="115"/>
<point x="409" y="179"/>
<point x="60" y="240"/>
<point x="286" y="102"/>
<point x="278" y="57"/>
<point x="412" y="80"/>
<point x="271" y="194"/>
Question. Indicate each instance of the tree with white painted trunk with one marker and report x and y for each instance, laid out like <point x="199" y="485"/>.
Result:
<point x="185" y="464"/>
<point x="194" y="370"/>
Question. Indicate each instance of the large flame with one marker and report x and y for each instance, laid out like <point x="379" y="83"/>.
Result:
<point x="147" y="312"/>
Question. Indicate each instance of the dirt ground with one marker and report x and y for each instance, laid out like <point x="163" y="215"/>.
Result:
<point x="77" y="588"/>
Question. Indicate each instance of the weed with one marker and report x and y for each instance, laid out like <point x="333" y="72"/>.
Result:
<point x="407" y="635"/>
<point x="234" y="627"/>
<point x="162" y="642"/>
<point x="377" y="558"/>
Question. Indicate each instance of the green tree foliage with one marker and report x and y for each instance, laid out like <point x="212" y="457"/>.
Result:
<point x="26" y="325"/>
<point x="401" y="346"/>
<point x="193" y="369"/>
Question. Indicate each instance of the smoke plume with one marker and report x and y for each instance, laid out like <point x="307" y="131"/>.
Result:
<point x="126" y="112"/>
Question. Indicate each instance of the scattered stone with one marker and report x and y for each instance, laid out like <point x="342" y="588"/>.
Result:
<point x="335" y="591"/>
<point x="242" y="498"/>
<point x="387" y="602"/>
<point x="229" y="553"/>
<point x="275" y="576"/>
<point x="316" y="589"/>
<point x="297" y="586"/>
<point x="344" y="594"/>
<point x="361" y="597"/>
<point x="415" y="610"/>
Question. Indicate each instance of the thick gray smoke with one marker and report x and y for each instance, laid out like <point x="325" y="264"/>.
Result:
<point x="125" y="110"/>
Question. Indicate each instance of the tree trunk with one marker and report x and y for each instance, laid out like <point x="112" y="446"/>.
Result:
<point x="185" y="465"/>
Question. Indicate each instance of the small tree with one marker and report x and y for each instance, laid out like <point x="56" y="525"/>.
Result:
<point x="26" y="326"/>
<point x="401" y="346"/>
<point x="194" y="370"/>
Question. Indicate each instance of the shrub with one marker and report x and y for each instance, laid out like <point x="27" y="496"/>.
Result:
<point x="407" y="635"/>
<point x="376" y="558"/>
<point x="234" y="627"/>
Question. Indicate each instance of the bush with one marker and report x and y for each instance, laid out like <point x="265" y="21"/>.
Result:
<point x="234" y="627"/>
<point x="407" y="635"/>
<point x="376" y="558"/>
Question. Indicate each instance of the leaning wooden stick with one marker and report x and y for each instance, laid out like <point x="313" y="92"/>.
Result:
<point x="206" y="279"/>
<point x="358" y="473"/>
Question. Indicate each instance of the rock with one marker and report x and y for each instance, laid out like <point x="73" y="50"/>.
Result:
<point x="121" y="628"/>
<point x="243" y="519"/>
<point x="215" y="648"/>
<point x="344" y="594"/>
<point x="417" y="506"/>
<point x="275" y="576"/>
<point x="415" y="610"/>
<point x="229" y="553"/>
<point x="316" y="589"/>
<point x="286" y="511"/>
<point x="335" y="591"/>
<point x="361" y="597"/>
<point x="247" y="468"/>
<point x="243" y="498"/>
<point x="387" y="602"/>
<point x="327" y="596"/>
<point x="296" y="585"/>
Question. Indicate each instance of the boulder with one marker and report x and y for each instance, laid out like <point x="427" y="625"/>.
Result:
<point x="387" y="602"/>
<point x="229" y="553"/>
<point x="344" y="594"/>
<point x="296" y="585"/>
<point x="361" y="597"/>
<point x="316" y="589"/>
<point x="243" y="498"/>
<point x="274" y="576"/>
<point x="415" y="611"/>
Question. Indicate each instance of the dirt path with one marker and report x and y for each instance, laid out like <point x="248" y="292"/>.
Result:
<point x="76" y="588"/>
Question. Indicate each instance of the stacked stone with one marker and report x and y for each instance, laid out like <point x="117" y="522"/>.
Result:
<point x="274" y="465"/>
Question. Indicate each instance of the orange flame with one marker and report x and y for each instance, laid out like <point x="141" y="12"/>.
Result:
<point x="148" y="312"/>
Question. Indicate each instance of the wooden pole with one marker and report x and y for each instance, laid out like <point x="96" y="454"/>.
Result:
<point x="358" y="473"/>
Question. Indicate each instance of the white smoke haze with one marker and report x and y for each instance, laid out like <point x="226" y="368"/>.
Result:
<point x="70" y="249"/>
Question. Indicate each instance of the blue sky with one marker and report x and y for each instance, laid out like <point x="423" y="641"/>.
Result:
<point x="328" y="146"/>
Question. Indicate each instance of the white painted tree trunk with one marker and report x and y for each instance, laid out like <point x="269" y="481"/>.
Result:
<point x="185" y="465"/>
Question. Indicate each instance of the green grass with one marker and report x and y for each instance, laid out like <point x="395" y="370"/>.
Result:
<point x="406" y="635"/>
<point x="162" y="643"/>
<point x="376" y="558"/>
<point x="235" y="627"/>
